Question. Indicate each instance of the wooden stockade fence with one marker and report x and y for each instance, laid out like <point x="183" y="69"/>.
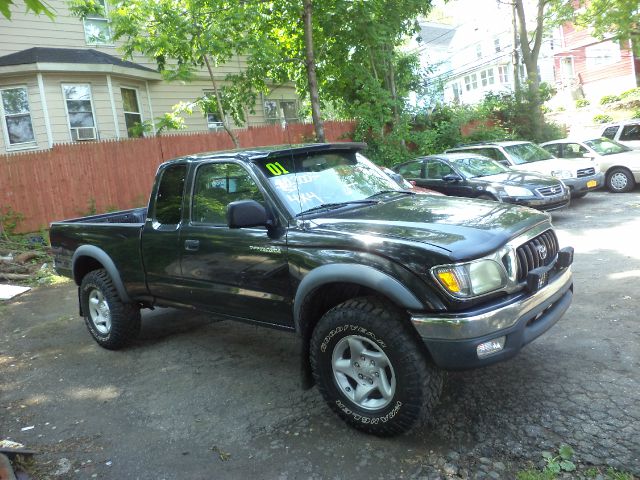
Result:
<point x="71" y="179"/>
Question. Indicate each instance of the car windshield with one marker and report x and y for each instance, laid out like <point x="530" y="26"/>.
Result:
<point x="329" y="179"/>
<point x="604" y="146"/>
<point x="527" y="153"/>
<point x="472" y="167"/>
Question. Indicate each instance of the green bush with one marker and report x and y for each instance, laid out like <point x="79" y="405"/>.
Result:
<point x="632" y="92"/>
<point x="609" y="99"/>
<point x="636" y="114"/>
<point x="582" y="102"/>
<point x="602" y="118"/>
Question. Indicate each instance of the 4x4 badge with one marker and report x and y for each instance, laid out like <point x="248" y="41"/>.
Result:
<point x="542" y="251"/>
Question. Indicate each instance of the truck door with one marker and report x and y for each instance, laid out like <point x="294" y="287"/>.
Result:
<point x="237" y="272"/>
<point x="160" y="242"/>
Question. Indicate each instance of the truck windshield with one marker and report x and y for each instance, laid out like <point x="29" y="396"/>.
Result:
<point x="527" y="153"/>
<point x="332" y="179"/>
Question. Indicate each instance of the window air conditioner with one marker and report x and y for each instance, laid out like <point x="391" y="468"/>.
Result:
<point x="85" y="133"/>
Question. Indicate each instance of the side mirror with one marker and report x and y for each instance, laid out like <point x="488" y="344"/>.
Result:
<point x="245" y="214"/>
<point x="452" y="178"/>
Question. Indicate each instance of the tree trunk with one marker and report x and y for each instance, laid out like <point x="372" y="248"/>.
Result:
<point x="221" y="112"/>
<point x="516" y="57"/>
<point x="311" y="72"/>
<point x="530" y="58"/>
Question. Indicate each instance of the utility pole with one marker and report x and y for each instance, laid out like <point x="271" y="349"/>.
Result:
<point x="516" y="55"/>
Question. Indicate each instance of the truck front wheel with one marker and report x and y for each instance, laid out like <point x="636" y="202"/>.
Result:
<point x="112" y="323"/>
<point x="371" y="369"/>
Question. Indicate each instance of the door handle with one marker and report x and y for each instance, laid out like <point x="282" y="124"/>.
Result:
<point x="192" y="245"/>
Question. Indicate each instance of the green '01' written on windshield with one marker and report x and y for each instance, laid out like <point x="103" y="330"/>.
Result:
<point x="305" y="182"/>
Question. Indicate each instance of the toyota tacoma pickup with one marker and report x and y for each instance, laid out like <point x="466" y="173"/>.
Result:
<point x="386" y="289"/>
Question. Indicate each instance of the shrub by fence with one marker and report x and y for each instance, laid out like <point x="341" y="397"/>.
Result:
<point x="72" y="180"/>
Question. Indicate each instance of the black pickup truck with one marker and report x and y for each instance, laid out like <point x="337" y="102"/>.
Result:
<point x="385" y="288"/>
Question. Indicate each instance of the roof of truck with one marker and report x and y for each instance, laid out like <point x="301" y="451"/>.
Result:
<point x="256" y="153"/>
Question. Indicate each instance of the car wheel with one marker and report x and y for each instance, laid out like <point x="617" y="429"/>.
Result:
<point x="372" y="368"/>
<point x="111" y="322"/>
<point x="620" y="180"/>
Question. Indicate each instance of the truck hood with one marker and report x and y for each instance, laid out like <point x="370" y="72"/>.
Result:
<point x="462" y="228"/>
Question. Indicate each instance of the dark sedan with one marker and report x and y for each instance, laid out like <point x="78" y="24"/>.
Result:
<point x="469" y="175"/>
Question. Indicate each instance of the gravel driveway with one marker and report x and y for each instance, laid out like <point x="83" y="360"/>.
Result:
<point x="195" y="398"/>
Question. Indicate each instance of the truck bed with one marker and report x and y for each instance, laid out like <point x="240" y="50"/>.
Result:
<point x="135" y="215"/>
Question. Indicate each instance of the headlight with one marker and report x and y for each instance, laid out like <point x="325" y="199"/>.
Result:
<point x="517" y="191"/>
<point x="467" y="280"/>
<point x="561" y="174"/>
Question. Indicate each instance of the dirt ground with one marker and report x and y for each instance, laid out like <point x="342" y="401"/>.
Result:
<point x="197" y="398"/>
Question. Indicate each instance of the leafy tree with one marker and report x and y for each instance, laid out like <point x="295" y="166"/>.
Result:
<point x="35" y="6"/>
<point x="549" y="13"/>
<point x="618" y="19"/>
<point x="185" y="37"/>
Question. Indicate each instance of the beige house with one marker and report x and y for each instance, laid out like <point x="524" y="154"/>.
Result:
<point x="64" y="81"/>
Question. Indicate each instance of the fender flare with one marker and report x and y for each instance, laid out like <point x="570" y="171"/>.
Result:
<point x="353" y="273"/>
<point x="101" y="256"/>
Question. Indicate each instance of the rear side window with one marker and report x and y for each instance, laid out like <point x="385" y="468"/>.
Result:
<point x="610" y="132"/>
<point x="630" y="132"/>
<point x="554" y="149"/>
<point x="168" y="209"/>
<point x="411" y="170"/>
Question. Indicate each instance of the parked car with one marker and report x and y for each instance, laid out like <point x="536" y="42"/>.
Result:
<point x="384" y="288"/>
<point x="620" y="164"/>
<point x="626" y="132"/>
<point x="579" y="175"/>
<point x="470" y="175"/>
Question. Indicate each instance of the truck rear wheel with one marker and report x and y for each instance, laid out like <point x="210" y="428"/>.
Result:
<point x="112" y="323"/>
<point x="371" y="368"/>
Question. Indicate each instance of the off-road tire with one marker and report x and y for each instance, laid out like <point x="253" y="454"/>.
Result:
<point x="111" y="322"/>
<point x="620" y="180"/>
<point x="385" y="330"/>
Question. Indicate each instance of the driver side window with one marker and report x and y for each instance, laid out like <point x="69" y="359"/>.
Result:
<point x="217" y="185"/>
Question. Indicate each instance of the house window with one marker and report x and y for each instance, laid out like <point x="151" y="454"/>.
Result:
<point x="96" y="26"/>
<point x="604" y="53"/>
<point x="132" y="114"/>
<point x="17" y="116"/>
<point x="478" y="51"/>
<point x="80" y="111"/>
<point x="471" y="82"/>
<point x="281" y="111"/>
<point x="214" y="122"/>
<point x="503" y="73"/>
<point x="486" y="77"/>
<point x="496" y="45"/>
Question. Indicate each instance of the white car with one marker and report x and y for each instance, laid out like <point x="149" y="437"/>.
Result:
<point x="626" y="132"/>
<point x="581" y="176"/>
<point x="620" y="164"/>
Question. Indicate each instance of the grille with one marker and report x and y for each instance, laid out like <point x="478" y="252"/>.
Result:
<point x="550" y="191"/>
<point x="585" y="172"/>
<point x="529" y="255"/>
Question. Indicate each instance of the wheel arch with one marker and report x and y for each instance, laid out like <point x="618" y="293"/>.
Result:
<point x="328" y="286"/>
<point x="89" y="257"/>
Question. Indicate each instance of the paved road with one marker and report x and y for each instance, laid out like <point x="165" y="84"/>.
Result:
<point x="201" y="399"/>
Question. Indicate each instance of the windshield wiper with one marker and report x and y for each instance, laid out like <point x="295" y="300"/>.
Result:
<point x="383" y="192"/>
<point x="326" y="206"/>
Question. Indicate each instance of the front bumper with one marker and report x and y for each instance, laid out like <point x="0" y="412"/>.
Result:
<point x="579" y="185"/>
<point x="546" y="204"/>
<point x="453" y="339"/>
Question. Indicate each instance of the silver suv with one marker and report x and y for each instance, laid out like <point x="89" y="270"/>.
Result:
<point x="580" y="175"/>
